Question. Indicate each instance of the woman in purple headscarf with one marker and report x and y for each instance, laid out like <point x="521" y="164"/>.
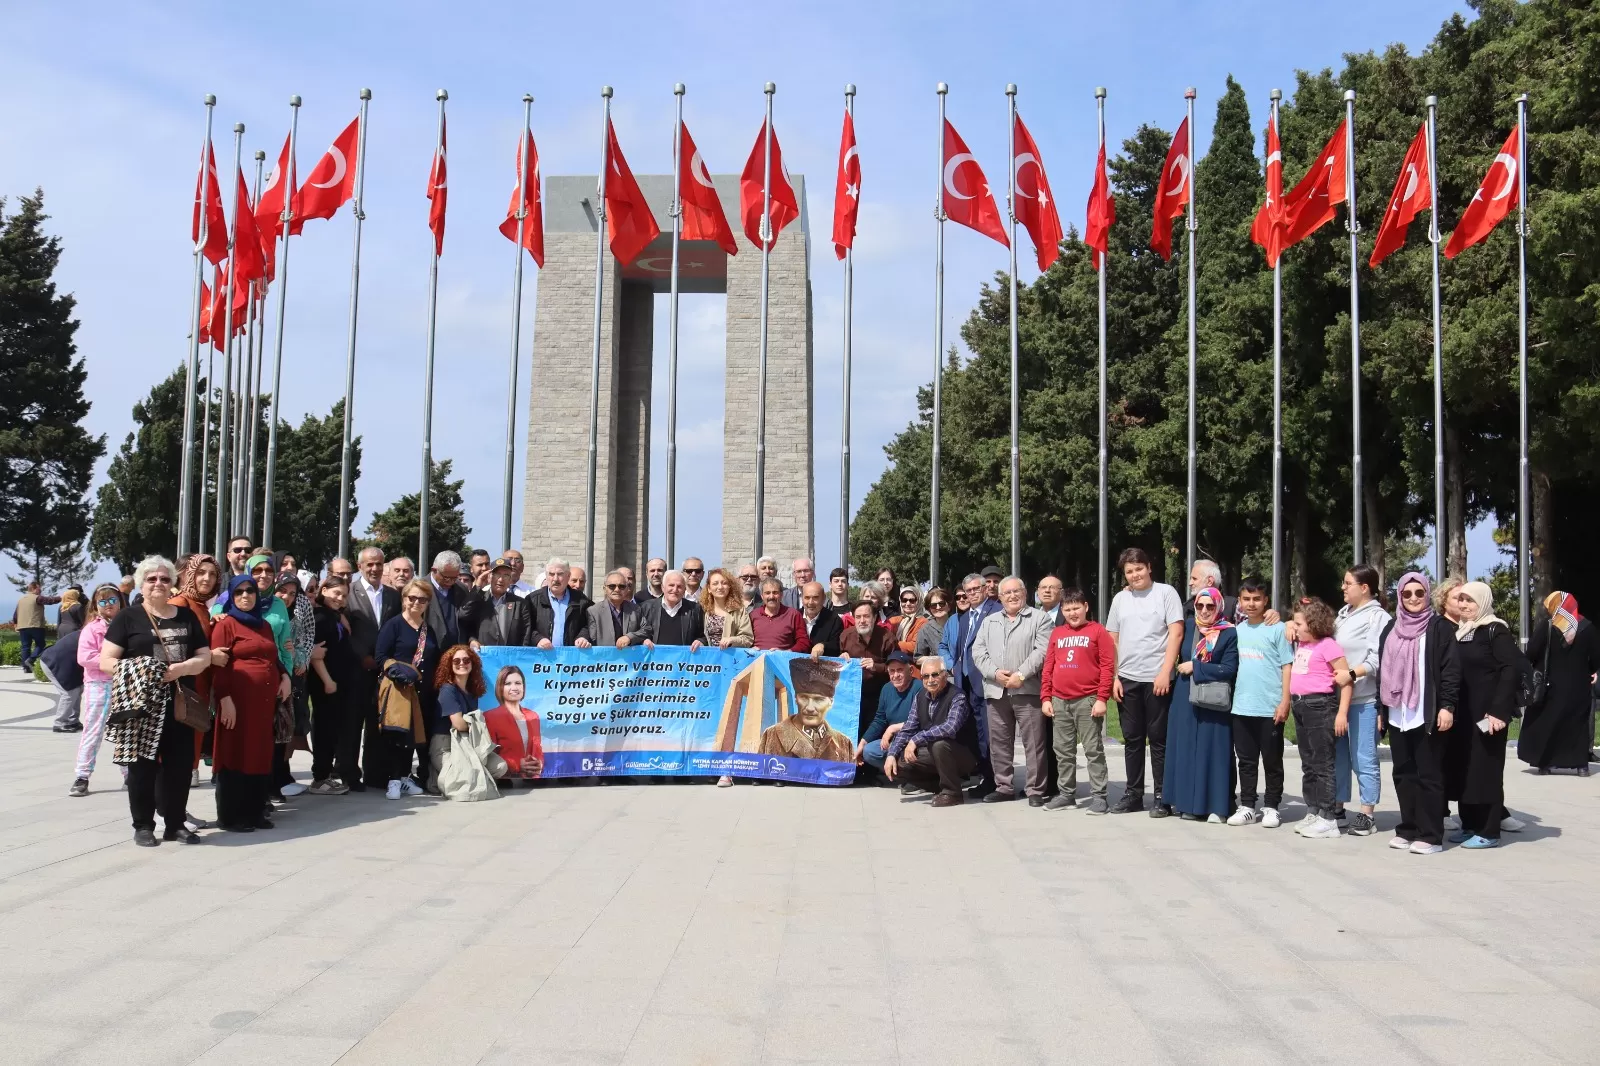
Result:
<point x="1419" y="682"/>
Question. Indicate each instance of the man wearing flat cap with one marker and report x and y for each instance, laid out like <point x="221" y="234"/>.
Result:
<point x="499" y="616"/>
<point x="806" y="733"/>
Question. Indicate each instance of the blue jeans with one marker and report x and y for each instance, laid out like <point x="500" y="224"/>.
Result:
<point x="874" y="754"/>
<point x="32" y="646"/>
<point x="1364" y="730"/>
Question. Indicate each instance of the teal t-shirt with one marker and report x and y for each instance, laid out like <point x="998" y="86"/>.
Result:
<point x="1263" y="653"/>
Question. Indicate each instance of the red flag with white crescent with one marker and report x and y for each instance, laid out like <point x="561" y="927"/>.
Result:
<point x="1413" y="192"/>
<point x="1036" y="207"/>
<point x="846" y="189"/>
<point x="1267" y="229"/>
<point x="784" y="208"/>
<point x="1102" y="214"/>
<point x="630" y="224"/>
<point x="1492" y="201"/>
<point x="269" y="210"/>
<point x="216" y="249"/>
<point x="438" y="192"/>
<point x="533" y="218"/>
<point x="205" y="311"/>
<point x="331" y="182"/>
<point x="1309" y="205"/>
<point x="703" y="217"/>
<point x="967" y="197"/>
<point x="248" y="263"/>
<point x="1172" y="193"/>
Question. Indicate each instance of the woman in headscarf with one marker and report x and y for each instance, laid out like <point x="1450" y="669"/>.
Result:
<point x="249" y="679"/>
<point x="1419" y="685"/>
<point x="910" y="620"/>
<point x="1556" y="734"/>
<point x="1475" y="756"/>
<point x="302" y="633"/>
<point x="264" y="570"/>
<point x="1199" y="771"/>
<point x="199" y="577"/>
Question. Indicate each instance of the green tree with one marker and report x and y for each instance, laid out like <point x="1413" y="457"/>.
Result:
<point x="306" y="496"/>
<point x="395" y="529"/>
<point x="46" y="456"/>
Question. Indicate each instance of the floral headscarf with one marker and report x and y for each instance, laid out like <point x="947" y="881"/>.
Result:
<point x="1563" y="608"/>
<point x="1206" y="642"/>
<point x="189" y="577"/>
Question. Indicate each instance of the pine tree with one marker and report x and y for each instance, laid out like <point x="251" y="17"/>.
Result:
<point x="46" y="456"/>
<point x="306" y="495"/>
<point x="395" y="530"/>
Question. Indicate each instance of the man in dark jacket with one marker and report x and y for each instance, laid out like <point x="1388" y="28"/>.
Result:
<point x="370" y="605"/>
<point x="560" y="613"/>
<point x="450" y="617"/>
<point x="822" y="625"/>
<point x="938" y="746"/>
<point x="60" y="664"/>
<point x="673" y="619"/>
<point x="499" y="615"/>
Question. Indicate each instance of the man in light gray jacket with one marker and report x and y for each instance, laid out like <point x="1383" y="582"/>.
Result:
<point x="1009" y="652"/>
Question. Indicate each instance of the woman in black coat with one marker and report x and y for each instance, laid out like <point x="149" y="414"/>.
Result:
<point x="1475" y="759"/>
<point x="1556" y="734"/>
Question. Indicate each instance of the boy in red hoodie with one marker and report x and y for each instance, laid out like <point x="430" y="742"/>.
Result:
<point x="1073" y="689"/>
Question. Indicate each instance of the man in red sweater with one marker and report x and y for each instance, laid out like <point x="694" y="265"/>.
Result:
<point x="1079" y="665"/>
<point x="776" y="625"/>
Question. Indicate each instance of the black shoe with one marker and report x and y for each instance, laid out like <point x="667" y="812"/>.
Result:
<point x="999" y="797"/>
<point x="1543" y="771"/>
<point x="1160" y="810"/>
<point x="1583" y="771"/>
<point x="1128" y="804"/>
<point x="1341" y="815"/>
<point x="909" y="789"/>
<point x="228" y="827"/>
<point x="58" y="729"/>
<point x="357" y="786"/>
<point x="181" y="834"/>
<point x="75" y="727"/>
<point x="80" y="787"/>
<point x="262" y="823"/>
<point x="145" y="838"/>
<point x="980" y="791"/>
<point x="1036" y="801"/>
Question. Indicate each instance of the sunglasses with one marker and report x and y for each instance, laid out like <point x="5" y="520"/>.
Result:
<point x="908" y="599"/>
<point x="416" y="599"/>
<point x="1413" y="594"/>
<point x="460" y="661"/>
<point x="158" y="579"/>
<point x="614" y="587"/>
<point x="238" y="551"/>
<point x="748" y="578"/>
<point x="689" y="570"/>
<point x="934" y="605"/>
<point x="107" y="603"/>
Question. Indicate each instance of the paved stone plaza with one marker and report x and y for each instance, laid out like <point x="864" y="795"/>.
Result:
<point x="691" y="924"/>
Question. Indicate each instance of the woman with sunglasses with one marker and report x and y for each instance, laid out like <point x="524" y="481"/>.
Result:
<point x="105" y="603"/>
<point x="249" y="679"/>
<point x="1199" y="770"/>
<point x="911" y="620"/>
<point x="406" y="639"/>
<point x="515" y="729"/>
<point x="939" y="609"/>
<point x="157" y="749"/>
<point x="459" y="679"/>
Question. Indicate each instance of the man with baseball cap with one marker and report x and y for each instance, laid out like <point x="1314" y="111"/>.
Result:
<point x="499" y="615"/>
<point x="894" y="704"/>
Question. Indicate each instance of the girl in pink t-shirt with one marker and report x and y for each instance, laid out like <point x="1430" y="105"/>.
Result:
<point x="1318" y="715"/>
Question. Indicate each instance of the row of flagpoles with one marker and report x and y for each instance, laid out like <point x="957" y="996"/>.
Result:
<point x="246" y="257"/>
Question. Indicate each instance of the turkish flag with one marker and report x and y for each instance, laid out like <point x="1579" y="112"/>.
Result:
<point x="216" y="248"/>
<point x="248" y="262"/>
<point x="1102" y="214"/>
<point x="1036" y="210"/>
<point x="1309" y="205"/>
<point x="217" y="320"/>
<point x="438" y="193"/>
<point x="1172" y="193"/>
<point x="960" y="172"/>
<point x="1492" y="201"/>
<point x="1413" y="192"/>
<point x="269" y="211"/>
<point x="532" y="206"/>
<point x="1267" y="229"/>
<point x="630" y="224"/>
<point x="205" y="312"/>
<point x="703" y="217"/>
<point x="331" y="182"/>
<point x="846" y="189"/>
<point x="784" y="208"/>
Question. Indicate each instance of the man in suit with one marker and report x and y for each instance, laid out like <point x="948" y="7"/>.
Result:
<point x="450" y="610"/>
<point x="371" y="603"/>
<point x="822" y="626"/>
<point x="614" y="622"/>
<point x="955" y="648"/>
<point x="805" y="572"/>
<point x="500" y="617"/>
<point x="654" y="571"/>
<point x="674" y="619"/>
<point x="559" y="612"/>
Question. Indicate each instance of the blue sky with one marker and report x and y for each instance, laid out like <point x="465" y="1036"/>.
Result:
<point x="108" y="119"/>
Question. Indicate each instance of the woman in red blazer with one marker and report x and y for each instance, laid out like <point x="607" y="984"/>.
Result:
<point x="513" y="728"/>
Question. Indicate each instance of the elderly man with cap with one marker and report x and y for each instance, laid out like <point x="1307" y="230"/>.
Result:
<point x="938" y="746"/>
<point x="805" y="734"/>
<point x="499" y="616"/>
<point x="894" y="706"/>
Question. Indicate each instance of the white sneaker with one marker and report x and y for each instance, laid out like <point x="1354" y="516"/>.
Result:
<point x="1421" y="848"/>
<point x="1307" y="822"/>
<point x="293" y="788"/>
<point x="1399" y="843"/>
<point x="1269" y="818"/>
<point x="1512" y="824"/>
<point x="1212" y="819"/>
<point x="409" y="787"/>
<point x="393" y="791"/>
<point x="1452" y="824"/>
<point x="724" y="781"/>
<point x="1243" y="816"/>
<point x="1321" y="829"/>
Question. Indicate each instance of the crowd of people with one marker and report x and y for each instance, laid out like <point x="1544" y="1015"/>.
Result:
<point x="246" y="660"/>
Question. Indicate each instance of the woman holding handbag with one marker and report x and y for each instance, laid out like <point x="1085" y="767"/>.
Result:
<point x="407" y="656"/>
<point x="249" y="680"/>
<point x="1199" y="772"/>
<point x="159" y="646"/>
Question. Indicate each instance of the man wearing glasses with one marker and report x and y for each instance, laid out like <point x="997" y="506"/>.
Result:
<point x="805" y="572"/>
<point x="694" y="572"/>
<point x="238" y="552"/>
<point x="750" y="581"/>
<point x="938" y="746"/>
<point x="614" y="622"/>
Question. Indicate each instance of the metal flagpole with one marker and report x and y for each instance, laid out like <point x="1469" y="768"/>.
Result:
<point x="1011" y="216"/>
<point x="849" y="310"/>
<point x="516" y="325"/>
<point x="938" y="348"/>
<point x="205" y="438"/>
<point x="599" y="293"/>
<point x="1277" y="394"/>
<point x="225" y="490"/>
<point x="255" y="412"/>
<point x="187" y="463"/>
<point x="1434" y="238"/>
<point x="277" y="340"/>
<point x="245" y="440"/>
<point x="427" y="380"/>
<point x="1524" y="559"/>
<point x="1354" y="226"/>
<point x="672" y="343"/>
<point x="1103" y="572"/>
<point x="345" y="457"/>
<point x="761" y="365"/>
<point x="1193" y="225"/>
<point x="241" y="383"/>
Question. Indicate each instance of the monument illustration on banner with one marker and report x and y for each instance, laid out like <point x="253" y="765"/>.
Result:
<point x="555" y="492"/>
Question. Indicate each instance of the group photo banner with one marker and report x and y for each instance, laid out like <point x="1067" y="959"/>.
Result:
<point x="672" y="712"/>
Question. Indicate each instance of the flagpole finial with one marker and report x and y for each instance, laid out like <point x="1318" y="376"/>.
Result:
<point x="1099" y="92"/>
<point x="366" y="94"/>
<point x="527" y="98"/>
<point x="1276" y="94"/>
<point x="211" y="99"/>
<point x="1190" y="93"/>
<point x="850" y="88"/>
<point x="1522" y="98"/>
<point x="605" y="91"/>
<point x="769" y="88"/>
<point x="238" y="127"/>
<point x="441" y="95"/>
<point x="294" y="101"/>
<point x="941" y="88"/>
<point x="260" y="156"/>
<point x="1011" y="88"/>
<point x="1349" y="95"/>
<point x="1431" y="101"/>
<point x="678" y="88"/>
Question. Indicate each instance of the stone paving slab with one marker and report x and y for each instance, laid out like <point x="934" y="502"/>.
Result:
<point x="689" y="924"/>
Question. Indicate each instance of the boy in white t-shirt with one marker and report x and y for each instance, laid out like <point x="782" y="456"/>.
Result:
<point x="1146" y="626"/>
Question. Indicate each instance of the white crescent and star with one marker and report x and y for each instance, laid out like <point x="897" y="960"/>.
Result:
<point x="697" y="167"/>
<point x="851" y="153"/>
<point x="338" y="169"/>
<point x="272" y="180"/>
<point x="1509" y="161"/>
<point x="1181" y="165"/>
<point x="1411" y="184"/>
<point x="649" y="263"/>
<point x="950" y="167"/>
<point x="1021" y="161"/>
<point x="438" y="167"/>
<point x="1275" y="157"/>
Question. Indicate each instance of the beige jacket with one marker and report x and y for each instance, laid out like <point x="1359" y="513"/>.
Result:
<point x="1016" y="644"/>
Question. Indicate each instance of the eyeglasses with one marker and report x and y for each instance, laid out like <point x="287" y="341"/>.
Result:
<point x="615" y="587"/>
<point x="416" y="599"/>
<point x="749" y="578"/>
<point x="157" y="579"/>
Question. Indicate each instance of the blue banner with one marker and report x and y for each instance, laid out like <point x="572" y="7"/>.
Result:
<point x="667" y="711"/>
